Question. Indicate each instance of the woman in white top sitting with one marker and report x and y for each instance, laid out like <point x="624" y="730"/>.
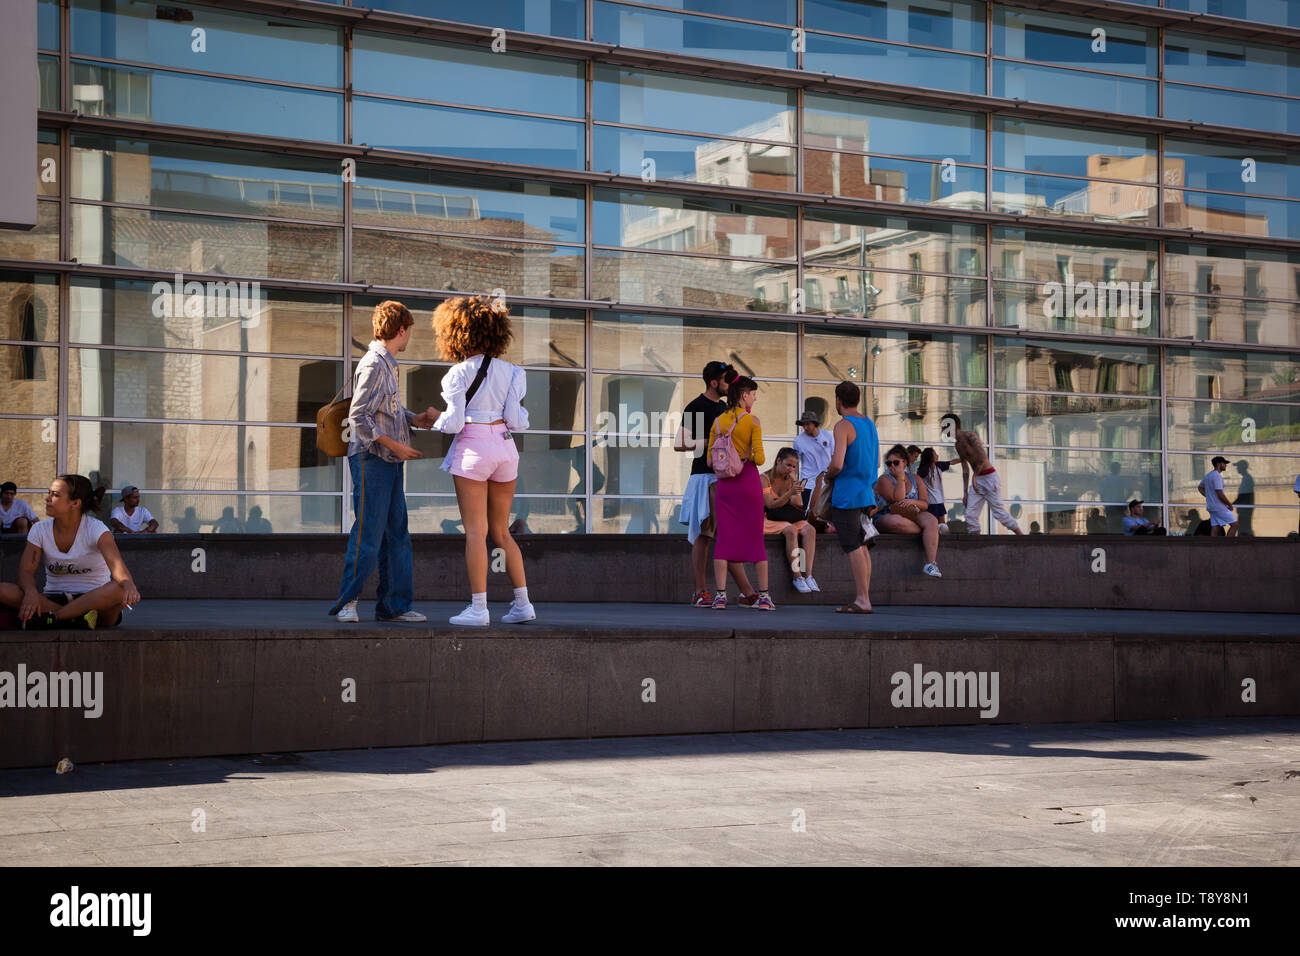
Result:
<point x="483" y="459"/>
<point x="86" y="580"/>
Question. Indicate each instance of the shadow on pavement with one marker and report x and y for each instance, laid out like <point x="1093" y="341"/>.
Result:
<point x="1060" y="740"/>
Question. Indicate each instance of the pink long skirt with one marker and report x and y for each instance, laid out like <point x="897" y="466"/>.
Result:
<point x="739" y="509"/>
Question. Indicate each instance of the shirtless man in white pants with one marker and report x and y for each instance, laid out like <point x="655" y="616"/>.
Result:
<point x="984" y="485"/>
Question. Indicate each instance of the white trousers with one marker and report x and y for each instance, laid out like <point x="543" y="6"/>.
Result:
<point x="987" y="488"/>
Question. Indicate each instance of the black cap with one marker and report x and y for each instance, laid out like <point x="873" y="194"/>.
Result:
<point x="1135" y="501"/>
<point x="8" y="486"/>
<point x="1218" y="458"/>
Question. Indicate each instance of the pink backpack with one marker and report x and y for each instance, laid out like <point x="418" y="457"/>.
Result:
<point x="723" y="456"/>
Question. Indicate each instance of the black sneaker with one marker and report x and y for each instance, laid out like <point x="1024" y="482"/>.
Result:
<point x="40" y="622"/>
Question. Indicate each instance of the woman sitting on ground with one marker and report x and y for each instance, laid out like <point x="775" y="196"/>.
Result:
<point x="904" y="507"/>
<point x="784" y="513"/>
<point x="86" y="581"/>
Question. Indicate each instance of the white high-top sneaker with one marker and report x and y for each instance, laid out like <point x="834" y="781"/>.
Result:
<point x="348" y="613"/>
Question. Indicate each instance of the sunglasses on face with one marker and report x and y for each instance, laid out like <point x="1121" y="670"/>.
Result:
<point x="891" y="463"/>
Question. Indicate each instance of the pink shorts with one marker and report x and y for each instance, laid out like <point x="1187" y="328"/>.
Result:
<point x="485" y="453"/>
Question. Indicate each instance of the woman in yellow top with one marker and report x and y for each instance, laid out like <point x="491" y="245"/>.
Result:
<point x="738" y="506"/>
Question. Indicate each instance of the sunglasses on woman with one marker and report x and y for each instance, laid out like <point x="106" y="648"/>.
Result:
<point x="893" y="462"/>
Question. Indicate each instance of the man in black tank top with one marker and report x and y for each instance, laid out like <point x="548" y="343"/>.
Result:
<point x="697" y="503"/>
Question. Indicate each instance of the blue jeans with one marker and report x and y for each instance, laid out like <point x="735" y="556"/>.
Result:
<point x="378" y="536"/>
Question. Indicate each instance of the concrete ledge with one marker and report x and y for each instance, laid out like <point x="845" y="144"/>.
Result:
<point x="1249" y="574"/>
<point x="181" y="691"/>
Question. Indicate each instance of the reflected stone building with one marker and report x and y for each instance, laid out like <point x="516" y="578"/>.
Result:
<point x="904" y="200"/>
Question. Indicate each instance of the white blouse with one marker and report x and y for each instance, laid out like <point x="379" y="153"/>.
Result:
<point x="499" y="396"/>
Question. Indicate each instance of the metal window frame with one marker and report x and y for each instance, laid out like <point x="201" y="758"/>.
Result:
<point x="593" y="53"/>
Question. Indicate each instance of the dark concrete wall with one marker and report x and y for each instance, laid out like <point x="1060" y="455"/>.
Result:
<point x="1247" y="574"/>
<point x="176" y="693"/>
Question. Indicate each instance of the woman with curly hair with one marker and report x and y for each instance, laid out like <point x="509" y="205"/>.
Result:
<point x="483" y="393"/>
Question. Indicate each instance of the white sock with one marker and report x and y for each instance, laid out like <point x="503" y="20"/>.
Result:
<point x="479" y="601"/>
<point x="521" y="597"/>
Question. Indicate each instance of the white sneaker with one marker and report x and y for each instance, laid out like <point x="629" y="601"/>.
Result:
<point x="801" y="586"/>
<point x="519" y="615"/>
<point x="943" y="528"/>
<point x="932" y="569"/>
<point x="348" y="613"/>
<point x="471" y="617"/>
<point x="409" y="617"/>
<point x="812" y="584"/>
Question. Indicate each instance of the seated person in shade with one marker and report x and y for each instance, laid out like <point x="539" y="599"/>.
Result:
<point x="1195" y="524"/>
<point x="256" y="524"/>
<point x="130" y="517"/>
<point x="227" y="523"/>
<point x="87" y="583"/>
<point x="784" y="513"/>
<point x="1135" y="523"/>
<point x="903" y="507"/>
<point x="16" y="515"/>
<point x="1096" y="522"/>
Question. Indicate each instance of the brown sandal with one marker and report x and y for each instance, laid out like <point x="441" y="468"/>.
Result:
<point x="853" y="609"/>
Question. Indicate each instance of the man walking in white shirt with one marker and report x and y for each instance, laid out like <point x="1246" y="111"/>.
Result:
<point x="1222" y="518"/>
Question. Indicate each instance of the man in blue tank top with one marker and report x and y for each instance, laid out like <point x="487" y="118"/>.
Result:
<point x="853" y="466"/>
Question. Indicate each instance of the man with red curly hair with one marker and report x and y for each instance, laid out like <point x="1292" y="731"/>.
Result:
<point x="379" y="447"/>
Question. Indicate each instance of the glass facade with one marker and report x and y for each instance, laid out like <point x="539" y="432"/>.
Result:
<point x="1107" y="293"/>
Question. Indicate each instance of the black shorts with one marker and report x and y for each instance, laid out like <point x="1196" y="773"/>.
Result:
<point x="848" y="527"/>
<point x="63" y="598"/>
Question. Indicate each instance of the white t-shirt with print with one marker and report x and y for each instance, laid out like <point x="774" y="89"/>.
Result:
<point x="136" y="521"/>
<point x="79" y="569"/>
<point x="19" y="509"/>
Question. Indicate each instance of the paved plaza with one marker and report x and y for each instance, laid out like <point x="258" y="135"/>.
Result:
<point x="1210" y="792"/>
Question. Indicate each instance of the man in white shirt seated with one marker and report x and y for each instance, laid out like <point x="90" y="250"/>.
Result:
<point x="815" y="447"/>
<point x="1134" y="523"/>
<point x="16" y="515"/>
<point x="130" y="517"/>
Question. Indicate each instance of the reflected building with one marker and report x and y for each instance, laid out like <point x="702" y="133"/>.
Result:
<point x="647" y="208"/>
